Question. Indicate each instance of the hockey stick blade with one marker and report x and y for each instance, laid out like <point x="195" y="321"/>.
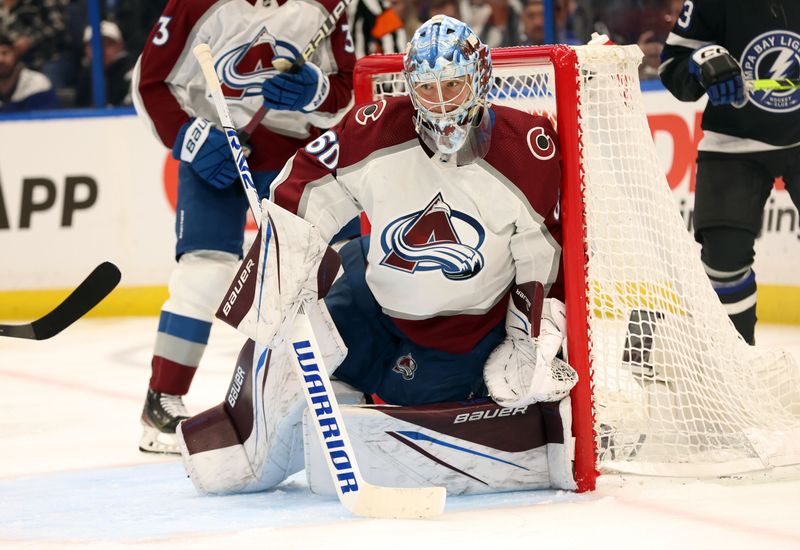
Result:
<point x="88" y="294"/>
<point x="397" y="503"/>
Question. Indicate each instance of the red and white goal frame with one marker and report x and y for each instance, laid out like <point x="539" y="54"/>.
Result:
<point x="667" y="387"/>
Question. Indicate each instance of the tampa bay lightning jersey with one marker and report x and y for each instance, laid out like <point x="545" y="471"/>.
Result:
<point x="764" y="36"/>
<point x="446" y="241"/>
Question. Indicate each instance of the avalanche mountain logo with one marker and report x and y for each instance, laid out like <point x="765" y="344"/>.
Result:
<point x="405" y="366"/>
<point x="775" y="55"/>
<point x="244" y="68"/>
<point x="435" y="238"/>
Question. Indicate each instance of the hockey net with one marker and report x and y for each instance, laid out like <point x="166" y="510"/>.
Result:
<point x="667" y="386"/>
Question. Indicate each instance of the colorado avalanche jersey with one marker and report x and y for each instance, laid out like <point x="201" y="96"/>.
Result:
<point x="168" y="86"/>
<point x="447" y="241"/>
<point x="764" y="36"/>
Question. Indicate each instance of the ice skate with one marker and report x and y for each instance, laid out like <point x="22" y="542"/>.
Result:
<point x="161" y="414"/>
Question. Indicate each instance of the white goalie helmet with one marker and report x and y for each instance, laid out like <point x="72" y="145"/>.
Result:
<point x="448" y="71"/>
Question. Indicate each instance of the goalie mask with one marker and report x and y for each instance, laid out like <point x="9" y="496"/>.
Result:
<point x="448" y="71"/>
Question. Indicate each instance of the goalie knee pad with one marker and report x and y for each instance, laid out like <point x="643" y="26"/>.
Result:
<point x="253" y="440"/>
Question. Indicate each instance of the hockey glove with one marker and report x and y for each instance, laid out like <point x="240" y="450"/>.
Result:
<point x="524" y="368"/>
<point x="206" y="149"/>
<point x="302" y="91"/>
<point x="719" y="73"/>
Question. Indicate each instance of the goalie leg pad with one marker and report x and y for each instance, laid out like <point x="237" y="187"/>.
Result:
<point x="560" y="443"/>
<point x="253" y="440"/>
<point x="478" y="447"/>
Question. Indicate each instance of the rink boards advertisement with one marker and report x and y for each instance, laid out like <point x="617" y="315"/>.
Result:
<point x="78" y="191"/>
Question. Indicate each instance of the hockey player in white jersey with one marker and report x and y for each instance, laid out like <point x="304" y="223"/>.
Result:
<point x="170" y="95"/>
<point x="455" y="294"/>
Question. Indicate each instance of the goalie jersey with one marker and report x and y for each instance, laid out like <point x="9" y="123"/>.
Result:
<point x="764" y="37"/>
<point x="446" y="241"/>
<point x="169" y="88"/>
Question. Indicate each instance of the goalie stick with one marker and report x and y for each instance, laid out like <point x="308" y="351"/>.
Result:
<point x="88" y="294"/>
<point x="358" y="496"/>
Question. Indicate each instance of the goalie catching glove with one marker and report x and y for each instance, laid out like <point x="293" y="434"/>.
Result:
<point x="524" y="368"/>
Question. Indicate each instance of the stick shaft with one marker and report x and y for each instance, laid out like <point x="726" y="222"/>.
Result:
<point x="780" y="84"/>
<point x="306" y="354"/>
<point x="322" y="33"/>
<point x="203" y="54"/>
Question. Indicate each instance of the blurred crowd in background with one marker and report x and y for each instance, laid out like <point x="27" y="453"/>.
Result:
<point x="46" y="54"/>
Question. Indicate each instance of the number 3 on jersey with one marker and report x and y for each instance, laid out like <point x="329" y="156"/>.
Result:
<point x="326" y="149"/>
<point x="685" y="17"/>
<point x="162" y="34"/>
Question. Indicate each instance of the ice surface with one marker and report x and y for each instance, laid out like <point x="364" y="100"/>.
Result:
<point x="71" y="474"/>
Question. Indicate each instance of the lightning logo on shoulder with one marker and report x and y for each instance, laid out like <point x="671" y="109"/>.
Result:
<point x="775" y="55"/>
<point x="242" y="69"/>
<point x="435" y="238"/>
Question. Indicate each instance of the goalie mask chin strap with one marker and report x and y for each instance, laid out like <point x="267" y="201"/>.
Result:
<point x="476" y="143"/>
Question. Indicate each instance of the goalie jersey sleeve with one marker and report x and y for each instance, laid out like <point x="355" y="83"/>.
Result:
<point x="764" y="37"/>
<point x="446" y="242"/>
<point x="168" y="88"/>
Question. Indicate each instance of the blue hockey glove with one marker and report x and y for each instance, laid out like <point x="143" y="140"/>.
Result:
<point x="719" y="73"/>
<point x="206" y="149"/>
<point x="303" y="91"/>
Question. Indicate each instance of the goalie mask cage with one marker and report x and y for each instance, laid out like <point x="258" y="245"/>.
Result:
<point x="667" y="386"/>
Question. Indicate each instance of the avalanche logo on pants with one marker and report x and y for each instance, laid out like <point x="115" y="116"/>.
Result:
<point x="427" y="240"/>
<point x="405" y="366"/>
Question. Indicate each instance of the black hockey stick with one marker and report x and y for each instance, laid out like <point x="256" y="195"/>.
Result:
<point x="89" y="293"/>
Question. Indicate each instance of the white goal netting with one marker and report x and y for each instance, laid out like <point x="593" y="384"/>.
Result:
<point x="675" y="390"/>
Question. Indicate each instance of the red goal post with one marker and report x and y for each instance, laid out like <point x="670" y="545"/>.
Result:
<point x="667" y="386"/>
